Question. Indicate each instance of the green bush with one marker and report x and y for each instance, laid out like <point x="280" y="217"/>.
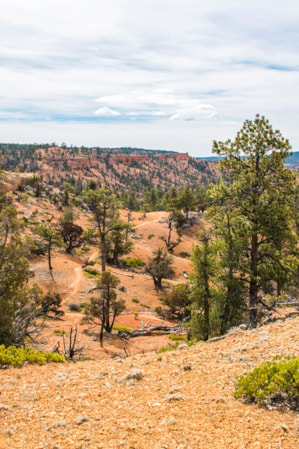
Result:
<point x="122" y="328"/>
<point x="167" y="348"/>
<point x="18" y="356"/>
<point x="150" y="236"/>
<point x="59" y="332"/>
<point x="273" y="384"/>
<point x="88" y="271"/>
<point x="172" y="347"/>
<point x="176" y="337"/>
<point x="134" y="262"/>
<point x="135" y="300"/>
<point x="85" y="304"/>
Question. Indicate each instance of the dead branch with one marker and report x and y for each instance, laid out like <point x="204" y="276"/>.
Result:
<point x="159" y="330"/>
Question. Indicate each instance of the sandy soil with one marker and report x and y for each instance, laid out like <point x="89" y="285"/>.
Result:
<point x="183" y="400"/>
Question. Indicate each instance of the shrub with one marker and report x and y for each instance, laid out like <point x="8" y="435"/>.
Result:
<point x="184" y="254"/>
<point x="122" y="328"/>
<point x="150" y="236"/>
<point x="74" y="307"/>
<point x="134" y="262"/>
<point x="85" y="305"/>
<point x="274" y="384"/>
<point x="18" y="356"/>
<point x="160" y="311"/>
<point x="172" y="347"/>
<point x="135" y="300"/>
<point x="167" y="348"/>
<point x="91" y="271"/>
<point x="176" y="337"/>
<point x="59" y="332"/>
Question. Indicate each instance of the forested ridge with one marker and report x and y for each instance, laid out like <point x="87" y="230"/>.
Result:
<point x="125" y="169"/>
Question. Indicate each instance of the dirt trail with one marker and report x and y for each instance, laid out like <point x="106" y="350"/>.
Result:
<point x="75" y="286"/>
<point x="147" y="220"/>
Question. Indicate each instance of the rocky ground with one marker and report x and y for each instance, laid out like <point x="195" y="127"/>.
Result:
<point x="181" y="399"/>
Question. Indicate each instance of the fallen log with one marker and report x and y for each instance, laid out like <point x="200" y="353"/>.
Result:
<point x="123" y="274"/>
<point x="160" y="330"/>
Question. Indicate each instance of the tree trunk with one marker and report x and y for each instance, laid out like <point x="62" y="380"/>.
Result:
<point x="224" y="318"/>
<point x="253" y="286"/>
<point x="206" y="311"/>
<point x="158" y="283"/>
<point x="102" y="325"/>
<point x="70" y="246"/>
<point x="102" y="334"/>
<point x="49" y="257"/>
<point x="103" y="252"/>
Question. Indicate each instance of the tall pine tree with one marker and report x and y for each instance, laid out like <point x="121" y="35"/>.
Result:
<point x="262" y="192"/>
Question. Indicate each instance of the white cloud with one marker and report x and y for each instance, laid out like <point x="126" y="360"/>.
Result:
<point x="106" y="112"/>
<point x="199" y="112"/>
<point x="183" y="66"/>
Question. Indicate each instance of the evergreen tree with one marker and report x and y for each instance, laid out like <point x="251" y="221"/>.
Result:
<point x="106" y="307"/>
<point x="230" y="240"/>
<point x="70" y="232"/>
<point x="18" y="302"/>
<point x="204" y="260"/>
<point x="262" y="191"/>
<point x="117" y="243"/>
<point x="51" y="236"/>
<point x="186" y="200"/>
<point x="159" y="267"/>
<point x="104" y="206"/>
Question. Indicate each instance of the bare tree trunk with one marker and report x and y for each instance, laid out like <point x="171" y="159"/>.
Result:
<point x="103" y="252"/>
<point x="49" y="256"/>
<point x="253" y="286"/>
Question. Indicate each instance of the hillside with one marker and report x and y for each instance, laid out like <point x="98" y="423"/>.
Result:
<point x="184" y="399"/>
<point x="70" y="281"/>
<point x="117" y="168"/>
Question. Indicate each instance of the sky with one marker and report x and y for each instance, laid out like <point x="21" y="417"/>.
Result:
<point x="156" y="74"/>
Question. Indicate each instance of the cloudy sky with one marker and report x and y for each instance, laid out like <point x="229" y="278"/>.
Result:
<point x="160" y="74"/>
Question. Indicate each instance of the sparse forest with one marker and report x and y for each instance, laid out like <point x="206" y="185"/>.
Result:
<point x="168" y="297"/>
<point x="243" y="226"/>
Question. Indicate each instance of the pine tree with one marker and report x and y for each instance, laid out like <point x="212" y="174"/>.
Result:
<point x="51" y="236"/>
<point x="159" y="267"/>
<point x="104" y="206"/>
<point x="186" y="200"/>
<point x="106" y="307"/>
<point x="230" y="240"/>
<point x="262" y="192"/>
<point x="204" y="260"/>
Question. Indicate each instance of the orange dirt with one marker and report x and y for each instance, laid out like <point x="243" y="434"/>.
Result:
<point x="139" y="292"/>
<point x="183" y="400"/>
